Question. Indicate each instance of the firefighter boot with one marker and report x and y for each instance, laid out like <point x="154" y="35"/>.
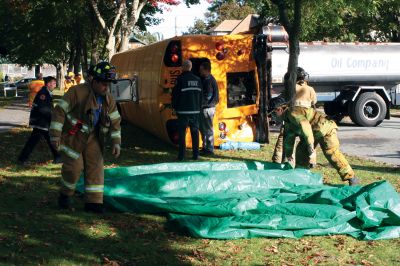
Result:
<point x="64" y="201"/>
<point x="354" y="181"/>
<point x="94" y="207"/>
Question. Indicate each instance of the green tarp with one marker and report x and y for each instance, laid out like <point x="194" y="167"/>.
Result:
<point x="230" y="200"/>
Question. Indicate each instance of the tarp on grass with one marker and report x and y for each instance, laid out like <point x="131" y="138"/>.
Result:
<point x="230" y="200"/>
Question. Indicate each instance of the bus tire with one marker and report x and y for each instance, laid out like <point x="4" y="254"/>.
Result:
<point x="369" y="110"/>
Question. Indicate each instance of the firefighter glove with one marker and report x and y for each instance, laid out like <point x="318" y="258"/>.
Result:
<point x="313" y="159"/>
<point x="116" y="150"/>
<point x="56" y="144"/>
<point x="290" y="163"/>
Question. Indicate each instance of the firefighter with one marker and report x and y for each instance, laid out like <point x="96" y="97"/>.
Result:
<point x="313" y="128"/>
<point x="69" y="81"/>
<point x="81" y="120"/>
<point x="39" y="120"/>
<point x="78" y="78"/>
<point x="305" y="97"/>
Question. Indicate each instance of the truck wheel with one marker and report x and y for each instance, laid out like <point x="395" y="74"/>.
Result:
<point x="369" y="110"/>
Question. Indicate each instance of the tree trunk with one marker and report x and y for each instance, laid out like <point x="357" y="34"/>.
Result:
<point x="71" y="60"/>
<point x="58" y="75"/>
<point x="110" y="47"/>
<point x="293" y="30"/>
<point x="124" y="41"/>
<point x="62" y="72"/>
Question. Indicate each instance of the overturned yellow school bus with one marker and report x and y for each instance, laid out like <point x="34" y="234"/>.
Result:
<point x="148" y="74"/>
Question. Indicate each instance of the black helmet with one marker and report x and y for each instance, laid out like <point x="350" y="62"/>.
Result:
<point x="276" y="102"/>
<point x="103" y="71"/>
<point x="301" y="73"/>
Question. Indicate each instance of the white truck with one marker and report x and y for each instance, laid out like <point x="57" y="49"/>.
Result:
<point x="360" y="80"/>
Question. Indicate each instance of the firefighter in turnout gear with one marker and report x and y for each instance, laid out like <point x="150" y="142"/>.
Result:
<point x="81" y="120"/>
<point x="313" y="128"/>
<point x="305" y="97"/>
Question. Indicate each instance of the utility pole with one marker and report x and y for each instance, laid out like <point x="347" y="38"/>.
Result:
<point x="176" y="29"/>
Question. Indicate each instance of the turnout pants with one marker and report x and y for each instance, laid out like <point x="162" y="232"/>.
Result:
<point x="330" y="147"/>
<point x="207" y="128"/>
<point x="91" y="162"/>
<point x="33" y="141"/>
<point x="185" y="120"/>
<point x="277" y="156"/>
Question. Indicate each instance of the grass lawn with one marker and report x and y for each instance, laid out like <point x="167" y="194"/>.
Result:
<point x="33" y="230"/>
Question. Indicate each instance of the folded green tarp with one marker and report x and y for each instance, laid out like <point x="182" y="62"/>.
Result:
<point x="229" y="200"/>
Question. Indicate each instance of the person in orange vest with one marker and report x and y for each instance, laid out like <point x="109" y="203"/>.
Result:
<point x="34" y="87"/>
<point x="78" y="78"/>
<point x="69" y="81"/>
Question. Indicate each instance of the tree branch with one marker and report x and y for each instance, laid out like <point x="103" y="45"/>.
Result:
<point x="283" y="15"/>
<point x="99" y="17"/>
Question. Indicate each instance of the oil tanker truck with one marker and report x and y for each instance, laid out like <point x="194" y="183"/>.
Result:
<point x="360" y="80"/>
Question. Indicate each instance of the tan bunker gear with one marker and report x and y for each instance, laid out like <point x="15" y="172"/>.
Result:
<point x="305" y="97"/>
<point x="314" y="128"/>
<point x="82" y="141"/>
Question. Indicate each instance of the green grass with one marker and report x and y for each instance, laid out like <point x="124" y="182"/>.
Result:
<point x="33" y="231"/>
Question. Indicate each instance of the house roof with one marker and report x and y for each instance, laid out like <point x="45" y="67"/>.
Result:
<point x="226" y="26"/>
<point x="246" y="24"/>
<point x="133" y="39"/>
<point x="237" y="26"/>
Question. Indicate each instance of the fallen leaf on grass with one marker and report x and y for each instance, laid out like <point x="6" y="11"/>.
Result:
<point x="273" y="249"/>
<point x="108" y="262"/>
<point x="367" y="263"/>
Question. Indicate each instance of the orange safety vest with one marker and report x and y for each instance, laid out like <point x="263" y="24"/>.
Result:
<point x="68" y="84"/>
<point x="34" y="88"/>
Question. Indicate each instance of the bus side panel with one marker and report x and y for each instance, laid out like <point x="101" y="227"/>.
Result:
<point x="144" y="63"/>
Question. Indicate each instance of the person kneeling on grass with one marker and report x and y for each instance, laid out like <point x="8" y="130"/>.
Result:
<point x="313" y="128"/>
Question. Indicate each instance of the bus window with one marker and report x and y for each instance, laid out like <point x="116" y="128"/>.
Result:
<point x="241" y="88"/>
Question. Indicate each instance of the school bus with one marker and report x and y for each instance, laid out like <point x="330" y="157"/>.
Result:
<point x="147" y="76"/>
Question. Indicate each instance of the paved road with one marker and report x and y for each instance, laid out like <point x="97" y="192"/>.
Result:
<point x="15" y="115"/>
<point x="381" y="143"/>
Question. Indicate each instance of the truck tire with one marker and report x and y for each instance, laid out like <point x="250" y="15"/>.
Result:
<point x="369" y="110"/>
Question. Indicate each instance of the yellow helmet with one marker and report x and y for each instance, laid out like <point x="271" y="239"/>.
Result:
<point x="71" y="74"/>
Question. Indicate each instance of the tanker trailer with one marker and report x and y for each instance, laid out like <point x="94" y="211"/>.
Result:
<point x="352" y="79"/>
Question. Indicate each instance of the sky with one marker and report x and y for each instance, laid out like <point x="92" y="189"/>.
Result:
<point x="181" y="16"/>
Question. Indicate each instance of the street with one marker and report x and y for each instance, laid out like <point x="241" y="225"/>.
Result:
<point x="381" y="143"/>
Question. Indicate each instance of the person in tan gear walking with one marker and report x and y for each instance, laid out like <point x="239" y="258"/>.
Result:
<point x="81" y="120"/>
<point x="304" y="98"/>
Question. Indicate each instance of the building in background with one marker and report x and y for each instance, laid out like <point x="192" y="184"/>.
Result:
<point x="135" y="43"/>
<point x="235" y="26"/>
<point x="15" y="71"/>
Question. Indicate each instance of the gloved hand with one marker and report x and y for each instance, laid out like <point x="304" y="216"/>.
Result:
<point x="55" y="144"/>
<point x="289" y="163"/>
<point x="313" y="159"/>
<point x="116" y="150"/>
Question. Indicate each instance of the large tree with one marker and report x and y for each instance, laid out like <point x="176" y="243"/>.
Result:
<point x="118" y="25"/>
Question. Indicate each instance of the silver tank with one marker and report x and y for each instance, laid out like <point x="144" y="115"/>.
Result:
<point x="331" y="65"/>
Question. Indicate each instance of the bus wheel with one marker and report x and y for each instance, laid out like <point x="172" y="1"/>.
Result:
<point x="369" y="110"/>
